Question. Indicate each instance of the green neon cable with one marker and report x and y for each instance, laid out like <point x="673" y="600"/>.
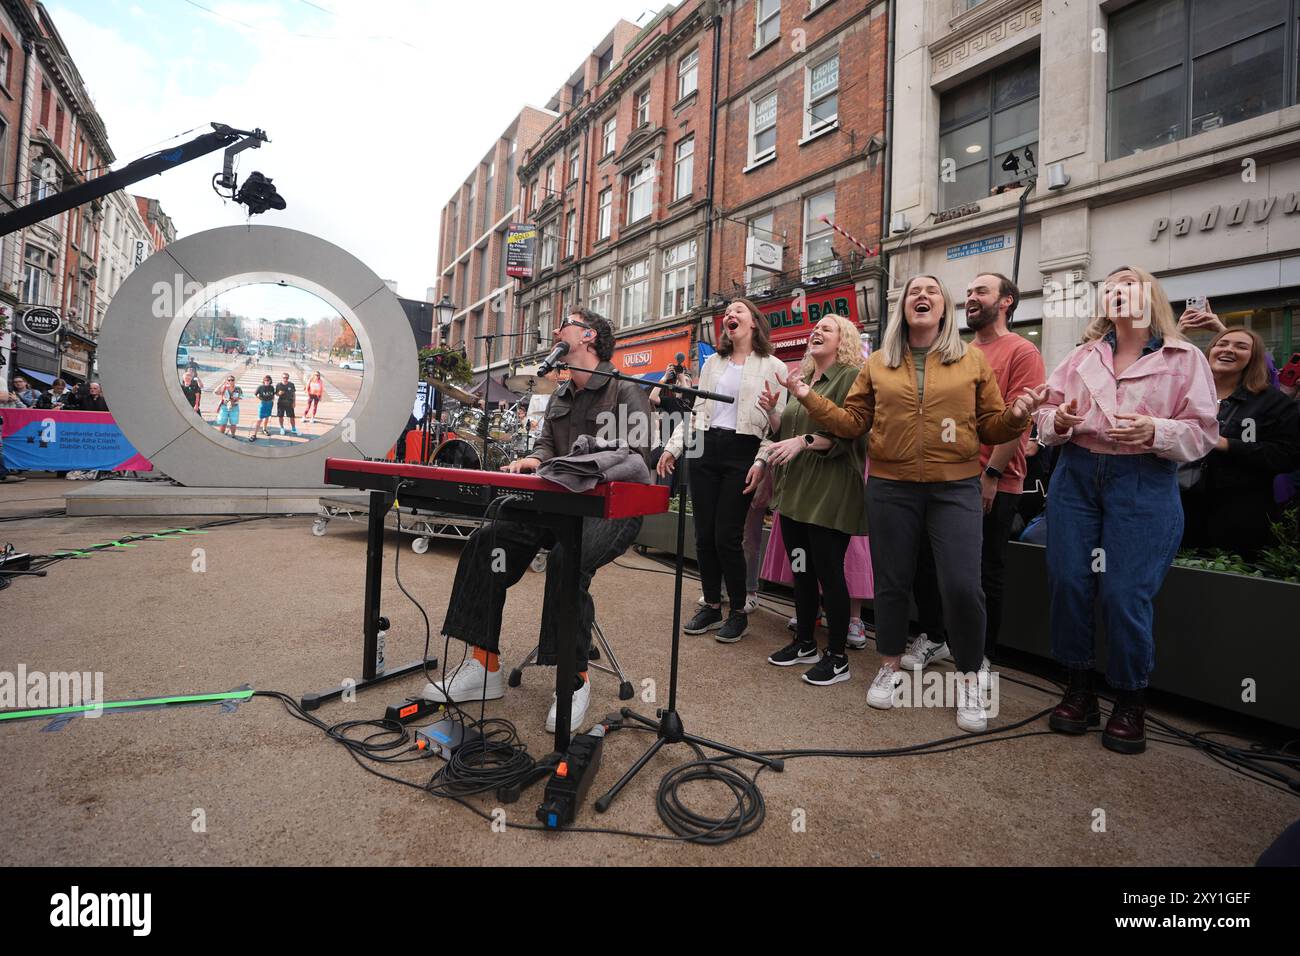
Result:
<point x="110" y="705"/>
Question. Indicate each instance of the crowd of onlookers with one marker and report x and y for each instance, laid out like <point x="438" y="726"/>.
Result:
<point x="21" y="393"/>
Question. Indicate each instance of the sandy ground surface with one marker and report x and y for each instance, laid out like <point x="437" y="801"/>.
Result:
<point x="280" y="609"/>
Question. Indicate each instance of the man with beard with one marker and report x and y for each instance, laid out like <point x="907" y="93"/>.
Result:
<point x="991" y="301"/>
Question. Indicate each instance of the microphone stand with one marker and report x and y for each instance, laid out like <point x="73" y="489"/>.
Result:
<point x="669" y="726"/>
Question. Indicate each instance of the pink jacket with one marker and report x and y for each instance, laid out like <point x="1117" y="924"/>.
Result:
<point x="1172" y="385"/>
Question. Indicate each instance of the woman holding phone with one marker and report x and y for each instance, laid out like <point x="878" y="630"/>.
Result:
<point x="1128" y="404"/>
<point x="928" y="401"/>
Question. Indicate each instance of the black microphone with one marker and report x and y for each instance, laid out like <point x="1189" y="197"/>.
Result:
<point x="548" y="364"/>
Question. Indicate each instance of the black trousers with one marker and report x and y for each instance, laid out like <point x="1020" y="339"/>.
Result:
<point x="817" y="560"/>
<point x="497" y="555"/>
<point x="719" y="505"/>
<point x="993" y="562"/>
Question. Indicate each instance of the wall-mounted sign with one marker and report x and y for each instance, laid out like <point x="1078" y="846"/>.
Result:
<point x="520" y="240"/>
<point x="791" y="318"/>
<point x="1257" y="210"/>
<point x="978" y="246"/>
<point x="42" y="321"/>
<point x="141" y="251"/>
<point x="637" y="359"/>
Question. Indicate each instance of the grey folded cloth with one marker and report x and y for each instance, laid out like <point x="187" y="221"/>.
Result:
<point x="594" y="460"/>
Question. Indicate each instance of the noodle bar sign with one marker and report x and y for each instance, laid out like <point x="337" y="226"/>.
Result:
<point x="792" y="318"/>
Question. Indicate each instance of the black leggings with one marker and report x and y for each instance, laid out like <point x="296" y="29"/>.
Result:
<point x="719" y="505"/>
<point x="821" y="556"/>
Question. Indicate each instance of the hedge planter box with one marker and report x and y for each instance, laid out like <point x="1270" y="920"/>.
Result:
<point x="1218" y="636"/>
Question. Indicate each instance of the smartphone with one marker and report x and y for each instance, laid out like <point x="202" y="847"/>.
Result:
<point x="1289" y="374"/>
<point x="1196" y="303"/>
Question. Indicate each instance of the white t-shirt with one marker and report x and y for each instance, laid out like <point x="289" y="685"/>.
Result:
<point x="724" y="413"/>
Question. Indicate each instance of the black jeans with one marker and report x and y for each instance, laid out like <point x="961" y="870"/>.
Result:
<point x="993" y="561"/>
<point x="478" y="594"/>
<point x="820" y="553"/>
<point x="903" y="514"/>
<point x="719" y="504"/>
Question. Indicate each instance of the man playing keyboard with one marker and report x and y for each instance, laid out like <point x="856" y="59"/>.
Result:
<point x="584" y="405"/>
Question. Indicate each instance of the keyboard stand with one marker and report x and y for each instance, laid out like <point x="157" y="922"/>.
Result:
<point x="372" y="622"/>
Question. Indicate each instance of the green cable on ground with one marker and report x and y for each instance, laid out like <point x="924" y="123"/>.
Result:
<point x="112" y="705"/>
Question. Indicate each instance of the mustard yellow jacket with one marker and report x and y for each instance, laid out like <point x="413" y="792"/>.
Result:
<point x="935" y="440"/>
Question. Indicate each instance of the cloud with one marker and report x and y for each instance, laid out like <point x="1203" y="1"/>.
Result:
<point x="376" y="113"/>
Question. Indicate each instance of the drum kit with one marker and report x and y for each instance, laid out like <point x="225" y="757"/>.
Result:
<point x="481" y="440"/>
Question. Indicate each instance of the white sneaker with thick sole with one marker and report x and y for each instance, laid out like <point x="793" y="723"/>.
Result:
<point x="578" y="711"/>
<point x="886" y="688"/>
<point x="751" y="602"/>
<point x="857" y="634"/>
<point x="471" y="681"/>
<point x="986" y="685"/>
<point x="922" y="652"/>
<point x="970" y="709"/>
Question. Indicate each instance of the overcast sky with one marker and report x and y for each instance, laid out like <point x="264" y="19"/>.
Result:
<point x="376" y="109"/>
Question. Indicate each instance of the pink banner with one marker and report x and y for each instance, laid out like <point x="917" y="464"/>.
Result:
<point x="44" y="439"/>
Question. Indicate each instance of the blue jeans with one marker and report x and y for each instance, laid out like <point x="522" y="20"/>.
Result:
<point x="1113" y="527"/>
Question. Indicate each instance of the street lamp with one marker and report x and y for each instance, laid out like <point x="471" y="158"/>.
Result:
<point x="446" y="311"/>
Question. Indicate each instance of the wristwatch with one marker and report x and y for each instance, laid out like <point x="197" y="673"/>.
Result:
<point x="809" y="439"/>
<point x="993" y="473"/>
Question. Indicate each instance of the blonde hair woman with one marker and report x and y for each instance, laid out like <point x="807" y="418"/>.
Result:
<point x="819" y="493"/>
<point x="928" y="402"/>
<point x="1128" y="404"/>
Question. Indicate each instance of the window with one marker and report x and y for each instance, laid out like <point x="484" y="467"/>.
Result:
<point x="762" y="127"/>
<point x="757" y="280"/>
<point x="550" y="181"/>
<point x="688" y="74"/>
<point x="573" y="165"/>
<point x="822" y="83"/>
<point x="604" y="63"/>
<point x="58" y="125"/>
<point x="536" y="190"/>
<point x="1182" y="67"/>
<point x="483" y="287"/>
<point x="767" y="22"/>
<point x="679" y="278"/>
<point x="469" y="211"/>
<point x="598" y="293"/>
<point x="4" y="157"/>
<point x="38" y="275"/>
<point x="41" y="187"/>
<point x="510" y="176"/>
<point x="543" y="318"/>
<point x="981" y="124"/>
<point x="642" y="108"/>
<point x="488" y="204"/>
<point x="818" y="256"/>
<point x="639" y="185"/>
<point x="636" y="293"/>
<point x="577" y="90"/>
<point x="570" y="235"/>
<point x="6" y="61"/>
<point x="604" y="213"/>
<point x="45" y="106"/>
<point x="607" y="136"/>
<point x="684" y="168"/>
<point x="549" y="243"/>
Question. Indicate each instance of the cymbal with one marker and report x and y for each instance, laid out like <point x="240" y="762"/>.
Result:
<point x="524" y="383"/>
<point x="451" y="391"/>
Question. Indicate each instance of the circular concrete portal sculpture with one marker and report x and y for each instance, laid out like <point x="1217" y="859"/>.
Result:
<point x="137" y="353"/>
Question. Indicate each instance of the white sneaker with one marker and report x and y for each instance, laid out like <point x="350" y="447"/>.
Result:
<point x="751" y="602"/>
<point x="970" y="710"/>
<point x="857" y="634"/>
<point x="578" y="711"/>
<point x="701" y="602"/>
<point x="885" y="690"/>
<point x="922" y="652"/>
<point x="471" y="681"/>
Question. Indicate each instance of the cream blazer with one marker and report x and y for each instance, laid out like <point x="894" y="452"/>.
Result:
<point x="750" y="417"/>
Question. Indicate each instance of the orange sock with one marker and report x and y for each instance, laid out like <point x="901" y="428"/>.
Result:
<point x="583" y="675"/>
<point x="488" y="659"/>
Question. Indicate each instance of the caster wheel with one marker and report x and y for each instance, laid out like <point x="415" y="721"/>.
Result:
<point x="625" y="690"/>
<point x="514" y="678"/>
<point x="318" y="528"/>
<point x="420" y="545"/>
<point x="539" y="564"/>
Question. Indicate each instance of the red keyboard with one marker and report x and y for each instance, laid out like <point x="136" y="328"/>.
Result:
<point x="432" y="488"/>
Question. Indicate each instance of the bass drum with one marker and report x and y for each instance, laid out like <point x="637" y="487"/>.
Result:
<point x="459" y="453"/>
